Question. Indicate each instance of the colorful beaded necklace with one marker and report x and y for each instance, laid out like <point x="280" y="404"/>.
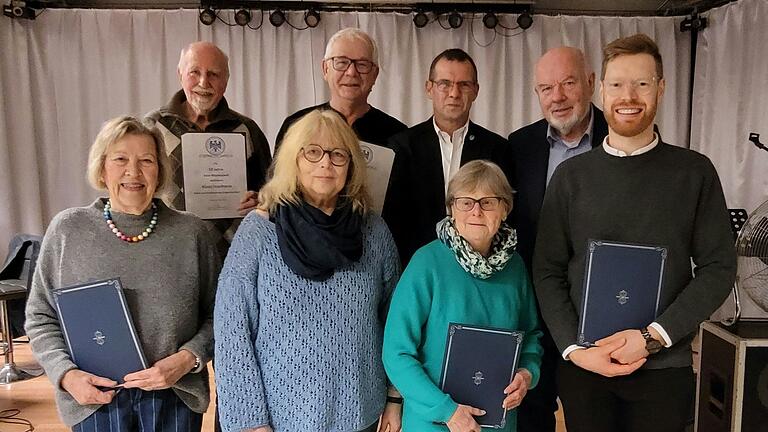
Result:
<point x="150" y="229"/>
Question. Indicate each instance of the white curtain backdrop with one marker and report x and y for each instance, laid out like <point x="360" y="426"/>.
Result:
<point x="65" y="73"/>
<point x="730" y="97"/>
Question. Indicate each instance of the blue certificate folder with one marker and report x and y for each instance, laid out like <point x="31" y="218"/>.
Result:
<point x="98" y="329"/>
<point x="622" y="287"/>
<point x="479" y="364"/>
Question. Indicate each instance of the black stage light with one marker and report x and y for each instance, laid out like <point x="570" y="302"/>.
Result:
<point x="490" y="20"/>
<point x="524" y="20"/>
<point x="207" y="16"/>
<point x="277" y="18"/>
<point x="242" y="17"/>
<point x="455" y="19"/>
<point x="19" y="10"/>
<point x="420" y="20"/>
<point x="312" y="18"/>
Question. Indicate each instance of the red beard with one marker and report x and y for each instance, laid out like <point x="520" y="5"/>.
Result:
<point x="629" y="126"/>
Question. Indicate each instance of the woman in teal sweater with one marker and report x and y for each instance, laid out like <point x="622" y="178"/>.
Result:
<point x="470" y="275"/>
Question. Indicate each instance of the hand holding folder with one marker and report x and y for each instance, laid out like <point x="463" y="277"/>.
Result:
<point x="88" y="389"/>
<point x="517" y="389"/>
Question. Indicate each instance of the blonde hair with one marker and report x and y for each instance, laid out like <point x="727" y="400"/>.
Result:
<point x="283" y="187"/>
<point x="480" y="174"/>
<point x="113" y="131"/>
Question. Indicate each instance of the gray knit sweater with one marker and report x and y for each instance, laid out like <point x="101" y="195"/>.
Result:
<point x="670" y="197"/>
<point x="169" y="281"/>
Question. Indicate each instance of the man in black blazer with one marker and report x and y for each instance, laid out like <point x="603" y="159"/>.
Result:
<point x="429" y="154"/>
<point x="571" y="125"/>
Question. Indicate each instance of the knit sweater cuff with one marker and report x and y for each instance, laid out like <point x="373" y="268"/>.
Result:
<point x="444" y="410"/>
<point x="58" y="372"/>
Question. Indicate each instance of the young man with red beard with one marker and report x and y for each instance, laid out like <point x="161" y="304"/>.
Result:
<point x="633" y="189"/>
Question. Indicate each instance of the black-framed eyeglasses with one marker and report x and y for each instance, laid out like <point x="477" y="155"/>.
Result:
<point x="341" y="64"/>
<point x="314" y="153"/>
<point x="486" y="203"/>
<point x="445" y="86"/>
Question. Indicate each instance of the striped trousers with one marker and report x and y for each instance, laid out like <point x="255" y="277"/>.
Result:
<point x="136" y="410"/>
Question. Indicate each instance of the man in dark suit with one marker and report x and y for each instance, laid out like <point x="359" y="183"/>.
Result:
<point x="429" y="154"/>
<point x="571" y="125"/>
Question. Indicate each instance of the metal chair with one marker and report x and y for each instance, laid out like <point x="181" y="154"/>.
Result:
<point x="15" y="279"/>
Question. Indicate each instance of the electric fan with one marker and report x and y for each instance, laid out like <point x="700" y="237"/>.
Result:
<point x="752" y="270"/>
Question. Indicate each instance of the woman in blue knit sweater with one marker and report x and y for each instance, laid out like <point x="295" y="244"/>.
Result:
<point x="471" y="275"/>
<point x="301" y="303"/>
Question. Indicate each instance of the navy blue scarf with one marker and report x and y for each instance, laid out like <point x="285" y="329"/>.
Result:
<point x="314" y="244"/>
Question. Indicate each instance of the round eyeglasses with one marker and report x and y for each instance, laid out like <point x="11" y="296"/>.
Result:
<point x="341" y="64"/>
<point x="314" y="153"/>
<point x="486" y="203"/>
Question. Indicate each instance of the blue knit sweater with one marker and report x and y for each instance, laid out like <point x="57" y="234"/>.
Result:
<point x="296" y="354"/>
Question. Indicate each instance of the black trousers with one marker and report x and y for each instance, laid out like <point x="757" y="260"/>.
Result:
<point x="658" y="400"/>
<point x="537" y="412"/>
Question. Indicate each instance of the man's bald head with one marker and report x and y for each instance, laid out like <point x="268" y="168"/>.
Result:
<point x="564" y="84"/>
<point x="203" y="73"/>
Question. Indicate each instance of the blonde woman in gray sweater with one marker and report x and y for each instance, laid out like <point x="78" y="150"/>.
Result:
<point x="168" y="265"/>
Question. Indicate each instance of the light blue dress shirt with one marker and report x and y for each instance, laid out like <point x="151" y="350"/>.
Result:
<point x="559" y="150"/>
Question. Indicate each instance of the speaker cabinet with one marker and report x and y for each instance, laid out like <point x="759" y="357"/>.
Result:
<point x="732" y="384"/>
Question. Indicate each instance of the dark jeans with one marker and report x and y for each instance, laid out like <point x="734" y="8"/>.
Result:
<point x="658" y="400"/>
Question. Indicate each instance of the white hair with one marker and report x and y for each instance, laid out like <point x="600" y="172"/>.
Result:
<point x="203" y="44"/>
<point x="354" y="34"/>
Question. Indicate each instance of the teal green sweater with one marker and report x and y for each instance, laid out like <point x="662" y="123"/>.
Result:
<point x="433" y="291"/>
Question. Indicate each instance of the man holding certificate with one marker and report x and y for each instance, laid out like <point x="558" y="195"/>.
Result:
<point x="633" y="191"/>
<point x="219" y="157"/>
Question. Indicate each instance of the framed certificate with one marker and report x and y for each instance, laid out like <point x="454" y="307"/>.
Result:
<point x="622" y="288"/>
<point x="379" y="161"/>
<point x="479" y="364"/>
<point x="214" y="173"/>
<point x="98" y="329"/>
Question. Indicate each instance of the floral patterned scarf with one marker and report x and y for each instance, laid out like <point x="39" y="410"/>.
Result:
<point x="502" y="249"/>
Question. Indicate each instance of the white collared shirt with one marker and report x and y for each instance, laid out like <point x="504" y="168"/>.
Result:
<point x="451" y="147"/>
<point x="620" y="153"/>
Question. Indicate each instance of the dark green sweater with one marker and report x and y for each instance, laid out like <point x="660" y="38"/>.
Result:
<point x="670" y="197"/>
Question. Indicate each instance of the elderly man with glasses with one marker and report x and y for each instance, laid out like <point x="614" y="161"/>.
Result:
<point x="430" y="153"/>
<point x="350" y="67"/>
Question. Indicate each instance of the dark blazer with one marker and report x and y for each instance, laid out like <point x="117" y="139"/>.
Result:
<point x="415" y="200"/>
<point x="525" y="161"/>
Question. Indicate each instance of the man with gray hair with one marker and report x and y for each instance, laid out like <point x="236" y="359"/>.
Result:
<point x="350" y="67"/>
<point x="564" y="84"/>
<point x="200" y="106"/>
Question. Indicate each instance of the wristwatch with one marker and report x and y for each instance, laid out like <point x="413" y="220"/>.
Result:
<point x="651" y="345"/>
<point x="197" y="363"/>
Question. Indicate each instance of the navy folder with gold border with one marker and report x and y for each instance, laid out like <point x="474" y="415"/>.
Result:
<point x="98" y="329"/>
<point x="622" y="288"/>
<point x="479" y="364"/>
